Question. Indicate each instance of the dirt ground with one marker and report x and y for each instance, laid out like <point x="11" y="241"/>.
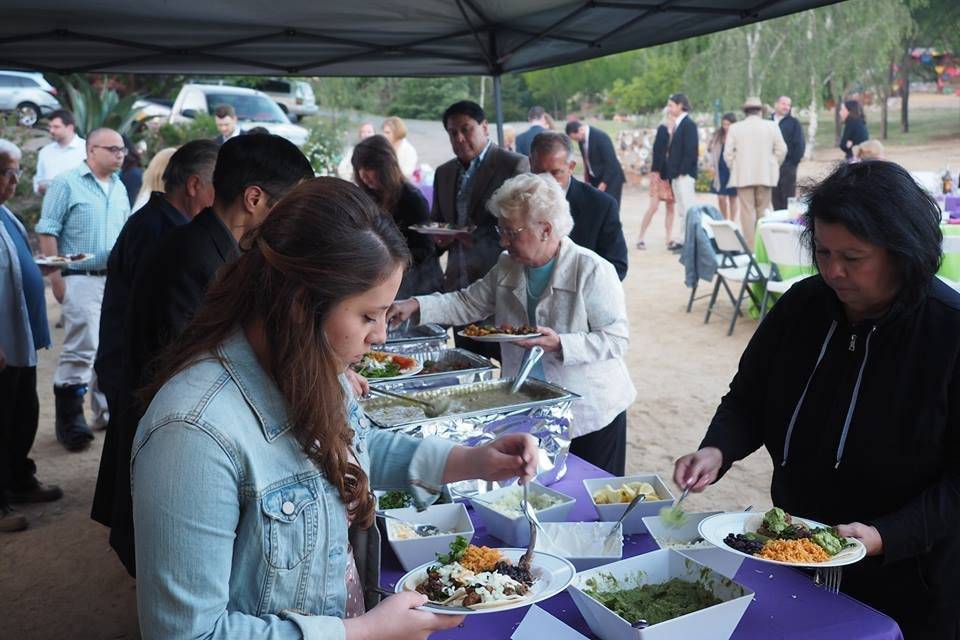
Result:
<point x="59" y="579"/>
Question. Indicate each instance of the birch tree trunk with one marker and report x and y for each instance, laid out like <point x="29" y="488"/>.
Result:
<point x="814" y="90"/>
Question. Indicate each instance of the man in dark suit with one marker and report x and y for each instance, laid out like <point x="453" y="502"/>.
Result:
<point x="792" y="132"/>
<point x="226" y="118"/>
<point x="537" y="117"/>
<point x="602" y="167"/>
<point x="188" y="183"/>
<point x="681" y="165"/>
<point x="461" y="188"/>
<point x="596" y="217"/>
<point x="252" y="173"/>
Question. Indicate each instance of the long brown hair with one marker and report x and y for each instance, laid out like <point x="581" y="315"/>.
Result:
<point x="324" y="242"/>
<point x="376" y="154"/>
<point x="720" y="136"/>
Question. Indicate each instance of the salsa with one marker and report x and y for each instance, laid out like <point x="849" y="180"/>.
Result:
<point x="654" y="603"/>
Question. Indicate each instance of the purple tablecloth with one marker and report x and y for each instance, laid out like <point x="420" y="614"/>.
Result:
<point x="787" y="604"/>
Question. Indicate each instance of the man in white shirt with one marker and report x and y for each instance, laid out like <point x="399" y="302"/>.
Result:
<point x="67" y="151"/>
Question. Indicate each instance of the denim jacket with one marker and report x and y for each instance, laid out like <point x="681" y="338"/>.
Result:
<point x="238" y="533"/>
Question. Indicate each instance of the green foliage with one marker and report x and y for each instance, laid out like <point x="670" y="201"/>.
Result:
<point x="324" y="147"/>
<point x="647" y="91"/>
<point x="95" y="108"/>
<point x="24" y="202"/>
<point x="427" y="98"/>
<point x="203" y="125"/>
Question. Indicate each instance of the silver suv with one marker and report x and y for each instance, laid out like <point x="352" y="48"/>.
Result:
<point x="295" y="97"/>
<point x="28" y="94"/>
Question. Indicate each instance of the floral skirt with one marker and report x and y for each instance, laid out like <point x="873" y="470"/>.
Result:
<point x="660" y="188"/>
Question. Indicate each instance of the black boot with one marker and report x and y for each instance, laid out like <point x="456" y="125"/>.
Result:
<point x="72" y="429"/>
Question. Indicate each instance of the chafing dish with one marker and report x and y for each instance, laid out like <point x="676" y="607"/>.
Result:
<point x="470" y="368"/>
<point x="409" y="339"/>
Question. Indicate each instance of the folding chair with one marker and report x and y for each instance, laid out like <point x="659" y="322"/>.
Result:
<point x="784" y="247"/>
<point x="746" y="269"/>
<point x="724" y="260"/>
<point x="951" y="244"/>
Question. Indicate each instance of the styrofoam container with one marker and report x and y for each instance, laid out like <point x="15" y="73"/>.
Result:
<point x="612" y="512"/>
<point x="516" y="531"/>
<point x="721" y="561"/>
<point x="581" y="543"/>
<point x="713" y="623"/>
<point x="416" y="551"/>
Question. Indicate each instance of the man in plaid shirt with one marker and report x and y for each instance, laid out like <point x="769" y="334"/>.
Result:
<point x="83" y="212"/>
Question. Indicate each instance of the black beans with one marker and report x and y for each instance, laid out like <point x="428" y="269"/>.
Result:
<point x="743" y="544"/>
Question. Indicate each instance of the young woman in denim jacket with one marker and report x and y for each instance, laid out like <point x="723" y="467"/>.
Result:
<point x="254" y="459"/>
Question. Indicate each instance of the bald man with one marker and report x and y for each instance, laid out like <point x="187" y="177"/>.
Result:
<point x="83" y="212"/>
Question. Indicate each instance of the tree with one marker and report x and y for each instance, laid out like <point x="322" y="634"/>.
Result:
<point x="647" y="91"/>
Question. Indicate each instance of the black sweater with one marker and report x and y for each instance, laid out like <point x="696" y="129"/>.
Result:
<point x="897" y="469"/>
<point x="425" y="275"/>
<point x="660" y="144"/>
<point x="855" y="132"/>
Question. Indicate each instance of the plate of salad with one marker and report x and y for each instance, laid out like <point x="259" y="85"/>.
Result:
<point x="780" y="538"/>
<point x="380" y="365"/>
<point x="486" y="580"/>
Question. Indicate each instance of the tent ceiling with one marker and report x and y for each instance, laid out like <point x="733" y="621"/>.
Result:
<point x="358" y="38"/>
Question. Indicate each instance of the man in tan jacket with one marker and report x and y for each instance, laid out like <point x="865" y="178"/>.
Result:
<point x="754" y="151"/>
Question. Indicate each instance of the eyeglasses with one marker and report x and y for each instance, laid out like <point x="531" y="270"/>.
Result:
<point x="117" y="151"/>
<point x="510" y="234"/>
<point x="12" y="173"/>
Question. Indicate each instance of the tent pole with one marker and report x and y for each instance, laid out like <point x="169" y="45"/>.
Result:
<point x="498" y="105"/>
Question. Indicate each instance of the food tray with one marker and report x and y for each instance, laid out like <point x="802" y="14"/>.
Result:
<point x="407" y="339"/>
<point x="391" y="413"/>
<point x="476" y="369"/>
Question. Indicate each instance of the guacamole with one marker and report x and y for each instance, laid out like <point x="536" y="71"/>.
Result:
<point x="654" y="603"/>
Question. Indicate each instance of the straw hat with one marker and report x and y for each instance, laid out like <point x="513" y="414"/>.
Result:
<point x="752" y="102"/>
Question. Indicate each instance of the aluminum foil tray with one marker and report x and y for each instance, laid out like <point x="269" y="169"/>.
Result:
<point x="394" y="414"/>
<point x="474" y="368"/>
<point x="409" y="339"/>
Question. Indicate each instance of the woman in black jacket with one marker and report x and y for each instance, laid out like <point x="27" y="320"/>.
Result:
<point x="852" y="384"/>
<point x="377" y="171"/>
<point x="854" y="127"/>
<point x="659" y="190"/>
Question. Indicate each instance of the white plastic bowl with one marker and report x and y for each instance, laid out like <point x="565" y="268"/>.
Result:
<point x="721" y="561"/>
<point x="713" y="623"/>
<point x="516" y="531"/>
<point x="587" y="556"/>
<point x="416" y="551"/>
<point x="612" y="512"/>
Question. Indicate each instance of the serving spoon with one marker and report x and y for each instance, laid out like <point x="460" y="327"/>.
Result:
<point x="422" y="530"/>
<point x="430" y="409"/>
<point x="630" y="507"/>
<point x="533" y="356"/>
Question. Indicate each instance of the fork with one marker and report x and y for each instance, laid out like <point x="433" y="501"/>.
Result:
<point x="828" y="578"/>
<point x="531" y="515"/>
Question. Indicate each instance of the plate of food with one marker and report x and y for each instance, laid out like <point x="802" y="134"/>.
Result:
<point x="440" y="229"/>
<point x="485" y="580"/>
<point x="62" y="261"/>
<point x="780" y="538"/>
<point x="380" y="365"/>
<point x="503" y="333"/>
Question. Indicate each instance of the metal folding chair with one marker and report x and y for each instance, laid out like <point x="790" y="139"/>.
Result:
<point x="742" y="267"/>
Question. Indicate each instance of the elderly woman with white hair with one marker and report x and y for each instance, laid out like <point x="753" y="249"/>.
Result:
<point x="573" y="297"/>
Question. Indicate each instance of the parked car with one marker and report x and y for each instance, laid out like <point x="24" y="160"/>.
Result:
<point x="254" y="109"/>
<point x="295" y="97"/>
<point x="28" y="94"/>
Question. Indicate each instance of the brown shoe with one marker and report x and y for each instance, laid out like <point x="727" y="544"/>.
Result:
<point x="11" y="520"/>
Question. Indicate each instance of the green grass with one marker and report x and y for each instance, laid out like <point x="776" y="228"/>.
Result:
<point x="927" y="126"/>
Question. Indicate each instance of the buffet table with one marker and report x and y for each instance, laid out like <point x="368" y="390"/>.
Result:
<point x="787" y="604"/>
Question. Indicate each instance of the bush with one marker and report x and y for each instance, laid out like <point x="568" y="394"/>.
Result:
<point x="704" y="180"/>
<point x="174" y="135"/>
<point x="24" y="202"/>
<point x="324" y="148"/>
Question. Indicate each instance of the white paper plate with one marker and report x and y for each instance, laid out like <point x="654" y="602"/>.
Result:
<point x="52" y="261"/>
<point x="554" y="574"/>
<point x="715" y="528"/>
<point x="440" y="231"/>
<point x="500" y="337"/>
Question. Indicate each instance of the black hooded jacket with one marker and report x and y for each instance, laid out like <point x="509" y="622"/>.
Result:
<point x="875" y="436"/>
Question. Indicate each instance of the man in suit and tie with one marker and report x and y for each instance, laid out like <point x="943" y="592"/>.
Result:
<point x="596" y="216"/>
<point x="602" y="168"/>
<point x="461" y="188"/>
<point x="537" y="117"/>
<point x="681" y="165"/>
<point x="792" y="132"/>
<point x="226" y="118"/>
<point x="754" y="151"/>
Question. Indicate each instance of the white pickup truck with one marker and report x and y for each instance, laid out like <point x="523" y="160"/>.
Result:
<point x="254" y="109"/>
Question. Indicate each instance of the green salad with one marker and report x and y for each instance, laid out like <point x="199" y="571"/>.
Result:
<point x="395" y="500"/>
